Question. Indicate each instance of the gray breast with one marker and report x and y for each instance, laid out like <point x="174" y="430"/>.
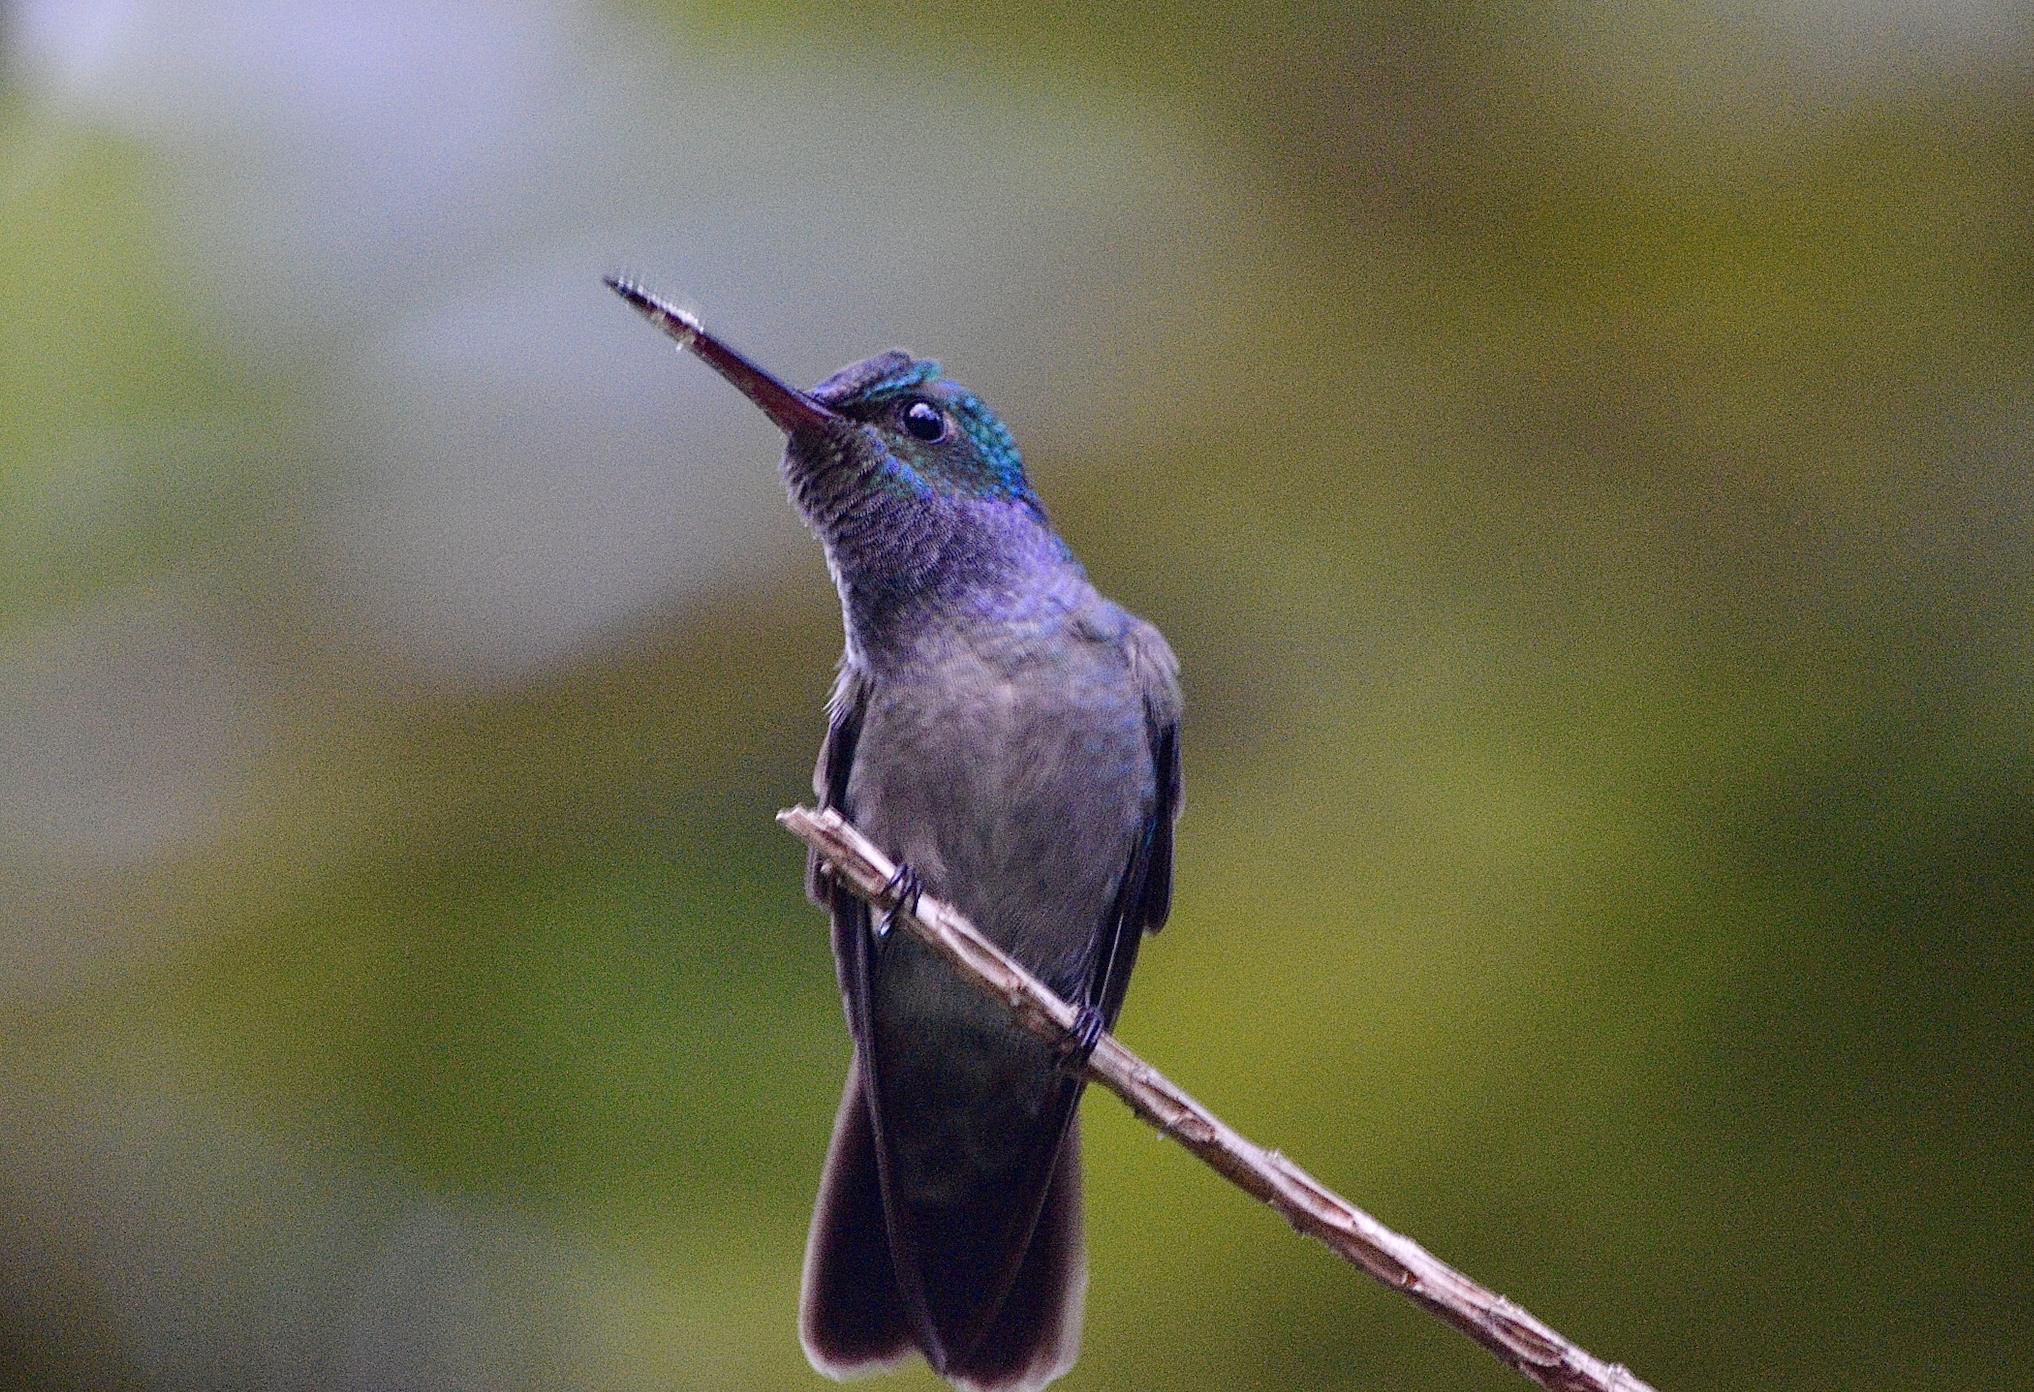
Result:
<point x="1014" y="774"/>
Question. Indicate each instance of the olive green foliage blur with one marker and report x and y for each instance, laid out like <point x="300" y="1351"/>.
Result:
<point x="1595" y="527"/>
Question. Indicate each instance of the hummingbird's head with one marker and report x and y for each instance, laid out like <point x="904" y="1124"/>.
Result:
<point x="938" y="439"/>
<point x="921" y="436"/>
<point x="912" y="485"/>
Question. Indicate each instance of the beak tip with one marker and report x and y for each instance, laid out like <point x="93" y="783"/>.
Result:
<point x="678" y="323"/>
<point x="787" y="407"/>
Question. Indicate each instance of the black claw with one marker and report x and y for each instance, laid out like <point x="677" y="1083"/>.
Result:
<point x="1088" y="1030"/>
<point x="906" y="887"/>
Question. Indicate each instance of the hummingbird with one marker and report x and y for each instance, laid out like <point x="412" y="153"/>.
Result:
<point x="1010" y="738"/>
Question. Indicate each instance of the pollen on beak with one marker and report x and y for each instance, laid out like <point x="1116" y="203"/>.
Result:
<point x="789" y="408"/>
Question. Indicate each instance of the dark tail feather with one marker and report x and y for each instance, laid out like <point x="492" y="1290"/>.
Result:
<point x="1036" y="1336"/>
<point x="851" y="1317"/>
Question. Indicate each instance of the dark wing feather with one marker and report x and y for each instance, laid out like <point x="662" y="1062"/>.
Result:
<point x="853" y="1315"/>
<point x="844" y="711"/>
<point x="1144" y="896"/>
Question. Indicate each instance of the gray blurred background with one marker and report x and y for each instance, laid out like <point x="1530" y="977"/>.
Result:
<point x="1584" y="459"/>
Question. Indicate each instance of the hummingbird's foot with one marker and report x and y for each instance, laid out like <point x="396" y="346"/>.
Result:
<point x="902" y="890"/>
<point x="1088" y="1030"/>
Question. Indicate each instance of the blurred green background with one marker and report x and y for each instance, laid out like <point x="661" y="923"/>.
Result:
<point x="1584" y="460"/>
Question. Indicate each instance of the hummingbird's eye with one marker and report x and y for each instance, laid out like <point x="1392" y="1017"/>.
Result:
<point x="925" y="421"/>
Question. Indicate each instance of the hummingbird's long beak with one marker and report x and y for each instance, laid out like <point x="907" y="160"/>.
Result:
<point x="782" y="403"/>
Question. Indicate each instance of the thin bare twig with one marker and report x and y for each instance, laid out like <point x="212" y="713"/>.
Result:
<point x="1511" y="1333"/>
